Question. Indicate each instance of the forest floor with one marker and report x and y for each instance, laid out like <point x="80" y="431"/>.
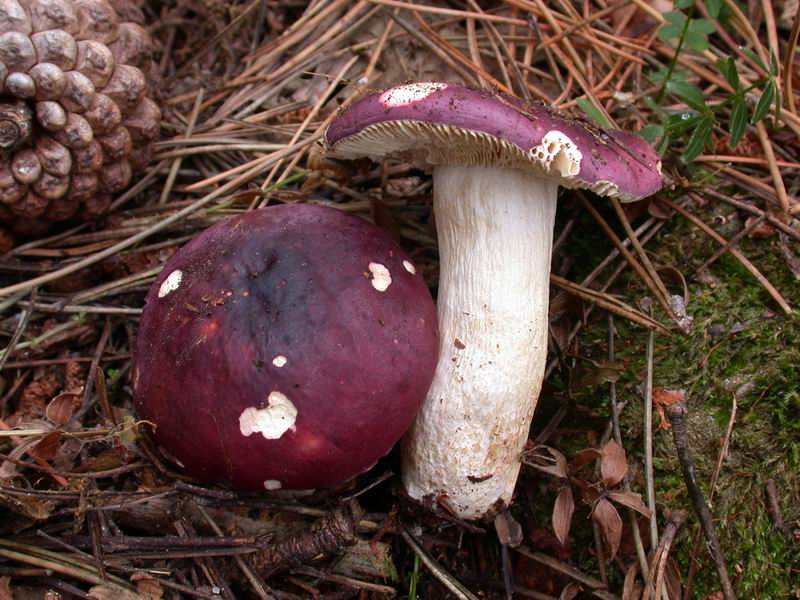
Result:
<point x="703" y="311"/>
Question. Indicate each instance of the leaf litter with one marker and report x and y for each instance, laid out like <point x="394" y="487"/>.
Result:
<point x="249" y="89"/>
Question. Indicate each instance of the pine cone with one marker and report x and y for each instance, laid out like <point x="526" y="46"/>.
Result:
<point x="77" y="111"/>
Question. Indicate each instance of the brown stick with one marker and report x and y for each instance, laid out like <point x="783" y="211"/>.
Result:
<point x="772" y="506"/>
<point x="677" y="418"/>
<point x="327" y="535"/>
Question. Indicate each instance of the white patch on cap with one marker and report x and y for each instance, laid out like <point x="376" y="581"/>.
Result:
<point x="171" y="283"/>
<point x="410" y="267"/>
<point x="279" y="360"/>
<point x="557" y="151"/>
<point x="272" y="484"/>
<point x="381" y="278"/>
<point x="658" y="167"/>
<point x="271" y="422"/>
<point x="409" y="93"/>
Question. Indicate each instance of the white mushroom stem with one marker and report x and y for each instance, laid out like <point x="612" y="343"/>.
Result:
<point x="495" y="229"/>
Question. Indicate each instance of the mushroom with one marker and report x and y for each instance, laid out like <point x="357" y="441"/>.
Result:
<point x="497" y="163"/>
<point x="285" y="348"/>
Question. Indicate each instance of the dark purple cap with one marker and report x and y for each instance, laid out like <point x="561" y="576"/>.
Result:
<point x="288" y="347"/>
<point x="436" y="123"/>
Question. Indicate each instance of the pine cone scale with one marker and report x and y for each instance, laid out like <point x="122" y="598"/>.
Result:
<point x="77" y="120"/>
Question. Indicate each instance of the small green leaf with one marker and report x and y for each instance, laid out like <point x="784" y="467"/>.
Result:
<point x="699" y="140"/>
<point x="754" y="57"/>
<point x="669" y="32"/>
<point x="702" y="26"/>
<point x="713" y="8"/>
<point x="651" y="132"/>
<point x="738" y="119"/>
<point x="674" y="27"/>
<point x="591" y="111"/>
<point x="762" y="108"/>
<point x="658" y="76"/>
<point x="684" y="4"/>
<point x="696" y="41"/>
<point x="691" y="94"/>
<point x="674" y="17"/>
<point x="680" y="123"/>
<point x="650" y="103"/>
<point x="774" y="67"/>
<point x="662" y="147"/>
<point x="727" y="66"/>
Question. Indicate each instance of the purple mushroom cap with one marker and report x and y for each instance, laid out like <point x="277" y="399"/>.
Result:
<point x="286" y="348"/>
<point x="448" y="123"/>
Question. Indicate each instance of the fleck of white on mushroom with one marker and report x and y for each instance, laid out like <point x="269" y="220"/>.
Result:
<point x="279" y="360"/>
<point x="558" y="151"/>
<point x="403" y="95"/>
<point x="171" y="283"/>
<point x="409" y="267"/>
<point x="273" y="421"/>
<point x="272" y="484"/>
<point x="381" y="278"/>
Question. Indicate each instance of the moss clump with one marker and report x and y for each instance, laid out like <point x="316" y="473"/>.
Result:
<point x="741" y="347"/>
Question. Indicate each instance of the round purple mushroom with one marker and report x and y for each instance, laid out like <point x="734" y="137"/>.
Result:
<point x="286" y="348"/>
<point x="497" y="164"/>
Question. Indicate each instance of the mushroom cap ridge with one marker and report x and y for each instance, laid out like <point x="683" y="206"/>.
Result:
<point x="450" y="123"/>
<point x="268" y="356"/>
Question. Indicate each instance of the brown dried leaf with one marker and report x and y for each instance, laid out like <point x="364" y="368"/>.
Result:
<point x="46" y="448"/>
<point x="607" y="518"/>
<point x="631" y="500"/>
<point x="147" y="585"/>
<point x="562" y="514"/>
<point x="613" y="464"/>
<point x="584" y="457"/>
<point x="30" y="507"/>
<point x="663" y="398"/>
<point x="672" y="578"/>
<point x="631" y="589"/>
<point x="105" y="461"/>
<point x="5" y="589"/>
<point x="509" y="531"/>
<point x="62" y="408"/>
<point x="569" y="592"/>
<point x="108" y="592"/>
<point x="667" y="397"/>
<point x="761" y="231"/>
<point x="589" y="492"/>
<point x="554" y="464"/>
<point x="598" y="374"/>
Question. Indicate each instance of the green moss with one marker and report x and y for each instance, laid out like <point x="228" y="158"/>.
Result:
<point x="741" y="346"/>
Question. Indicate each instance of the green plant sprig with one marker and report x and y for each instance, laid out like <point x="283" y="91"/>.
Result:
<point x="688" y="33"/>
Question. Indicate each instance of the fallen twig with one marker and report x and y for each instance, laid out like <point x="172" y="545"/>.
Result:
<point x="677" y="418"/>
<point x="327" y="535"/>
